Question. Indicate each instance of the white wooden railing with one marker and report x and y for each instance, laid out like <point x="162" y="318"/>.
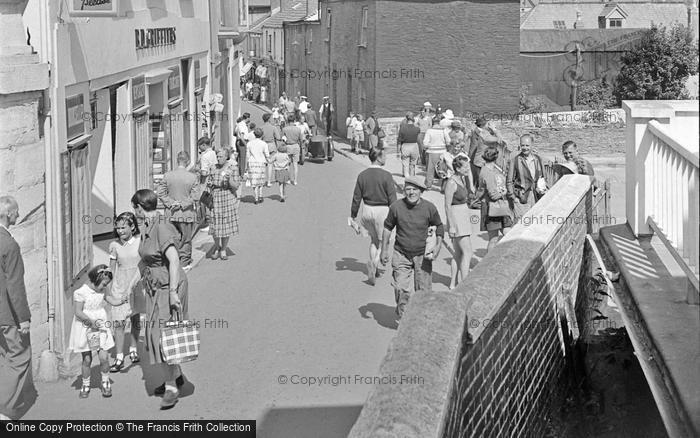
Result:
<point x="662" y="177"/>
<point x="672" y="193"/>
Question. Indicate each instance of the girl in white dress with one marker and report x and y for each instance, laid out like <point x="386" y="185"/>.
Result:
<point x="90" y="320"/>
<point x="124" y="262"/>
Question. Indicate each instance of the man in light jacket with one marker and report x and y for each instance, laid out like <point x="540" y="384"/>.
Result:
<point x="177" y="191"/>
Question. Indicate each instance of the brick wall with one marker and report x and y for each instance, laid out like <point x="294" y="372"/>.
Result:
<point x="22" y="173"/>
<point x="446" y="52"/>
<point x="350" y="90"/>
<point x="465" y="54"/>
<point x="490" y="352"/>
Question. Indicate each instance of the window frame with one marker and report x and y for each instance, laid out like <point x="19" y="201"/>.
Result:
<point x="364" y="26"/>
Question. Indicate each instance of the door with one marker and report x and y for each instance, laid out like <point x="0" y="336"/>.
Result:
<point x="124" y="152"/>
<point x="101" y="165"/>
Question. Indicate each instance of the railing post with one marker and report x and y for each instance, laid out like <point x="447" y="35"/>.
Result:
<point x="638" y="142"/>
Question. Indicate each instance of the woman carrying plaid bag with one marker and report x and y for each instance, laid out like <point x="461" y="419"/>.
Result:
<point x="223" y="182"/>
<point x="165" y="284"/>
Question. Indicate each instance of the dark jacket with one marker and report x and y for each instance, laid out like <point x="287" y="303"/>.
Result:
<point x="520" y="181"/>
<point x="14" y="308"/>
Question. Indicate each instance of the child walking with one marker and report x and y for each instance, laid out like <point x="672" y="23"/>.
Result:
<point x="90" y="330"/>
<point x="358" y="136"/>
<point x="124" y="263"/>
<point x="280" y="163"/>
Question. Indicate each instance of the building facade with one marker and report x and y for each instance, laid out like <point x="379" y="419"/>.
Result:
<point x="390" y="56"/>
<point x="116" y="114"/>
<point x="222" y="97"/>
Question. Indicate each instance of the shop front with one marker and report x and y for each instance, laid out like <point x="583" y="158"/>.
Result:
<point x="125" y="111"/>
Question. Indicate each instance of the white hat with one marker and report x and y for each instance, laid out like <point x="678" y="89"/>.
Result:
<point x="304" y="97"/>
<point x="449" y="114"/>
<point x="326" y="97"/>
<point x="427" y="104"/>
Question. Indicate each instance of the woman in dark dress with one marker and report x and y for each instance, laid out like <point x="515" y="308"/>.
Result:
<point x="165" y="284"/>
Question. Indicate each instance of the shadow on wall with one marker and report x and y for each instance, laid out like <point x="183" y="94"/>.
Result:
<point x="315" y="421"/>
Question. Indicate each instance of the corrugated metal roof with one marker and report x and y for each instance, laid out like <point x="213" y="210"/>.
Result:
<point x="640" y="15"/>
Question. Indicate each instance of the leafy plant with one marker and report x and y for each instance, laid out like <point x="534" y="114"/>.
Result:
<point x="528" y="104"/>
<point x="658" y="67"/>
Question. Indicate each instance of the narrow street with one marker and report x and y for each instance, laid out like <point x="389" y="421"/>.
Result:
<point x="291" y="302"/>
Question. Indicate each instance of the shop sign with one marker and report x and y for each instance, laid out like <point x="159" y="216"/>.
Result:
<point x="75" y="116"/>
<point x="174" y="83"/>
<point x="86" y="8"/>
<point x="155" y="37"/>
<point x="138" y="91"/>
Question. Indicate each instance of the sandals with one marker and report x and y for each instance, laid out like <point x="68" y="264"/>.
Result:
<point x="84" y="391"/>
<point x="117" y="366"/>
<point x="134" y="357"/>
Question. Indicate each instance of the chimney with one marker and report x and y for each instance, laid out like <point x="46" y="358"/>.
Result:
<point x="578" y="24"/>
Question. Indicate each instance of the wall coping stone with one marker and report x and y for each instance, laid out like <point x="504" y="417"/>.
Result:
<point x="432" y="331"/>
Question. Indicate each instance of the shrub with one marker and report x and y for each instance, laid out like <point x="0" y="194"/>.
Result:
<point x="658" y="67"/>
<point x="530" y="105"/>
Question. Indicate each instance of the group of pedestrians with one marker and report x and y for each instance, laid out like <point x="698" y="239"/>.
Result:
<point x="363" y="133"/>
<point x="145" y="277"/>
<point x="474" y="169"/>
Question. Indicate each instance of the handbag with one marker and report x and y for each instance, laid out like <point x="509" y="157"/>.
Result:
<point x="207" y="199"/>
<point x="380" y="133"/>
<point x="499" y="208"/>
<point x="179" y="341"/>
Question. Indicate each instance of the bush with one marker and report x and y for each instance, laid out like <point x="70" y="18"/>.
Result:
<point x="658" y="67"/>
<point x="530" y="105"/>
<point x="596" y="95"/>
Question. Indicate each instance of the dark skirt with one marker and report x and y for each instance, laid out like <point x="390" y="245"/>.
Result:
<point x="158" y="313"/>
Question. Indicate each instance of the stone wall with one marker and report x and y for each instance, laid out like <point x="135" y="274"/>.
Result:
<point x="22" y="173"/>
<point x="489" y="353"/>
<point x="23" y="78"/>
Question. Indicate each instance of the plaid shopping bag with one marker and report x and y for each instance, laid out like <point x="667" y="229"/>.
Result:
<point x="179" y="341"/>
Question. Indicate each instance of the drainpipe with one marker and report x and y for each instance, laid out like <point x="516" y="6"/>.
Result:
<point x="574" y="82"/>
<point x="48" y="361"/>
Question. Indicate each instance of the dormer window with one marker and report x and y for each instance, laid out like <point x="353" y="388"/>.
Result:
<point x="612" y="16"/>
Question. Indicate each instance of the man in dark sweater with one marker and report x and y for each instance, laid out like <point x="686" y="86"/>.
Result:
<point x="376" y="190"/>
<point x="17" y="391"/>
<point x="412" y="217"/>
<point x="408" y="145"/>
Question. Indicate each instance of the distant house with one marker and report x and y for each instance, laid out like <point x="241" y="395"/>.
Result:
<point x="304" y="50"/>
<point x="551" y="32"/>
<point x="259" y="9"/>
<point x="269" y="30"/>
<point x="266" y="41"/>
<point x="601" y="15"/>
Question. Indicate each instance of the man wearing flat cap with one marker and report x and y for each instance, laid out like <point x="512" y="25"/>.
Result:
<point x="413" y="217"/>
